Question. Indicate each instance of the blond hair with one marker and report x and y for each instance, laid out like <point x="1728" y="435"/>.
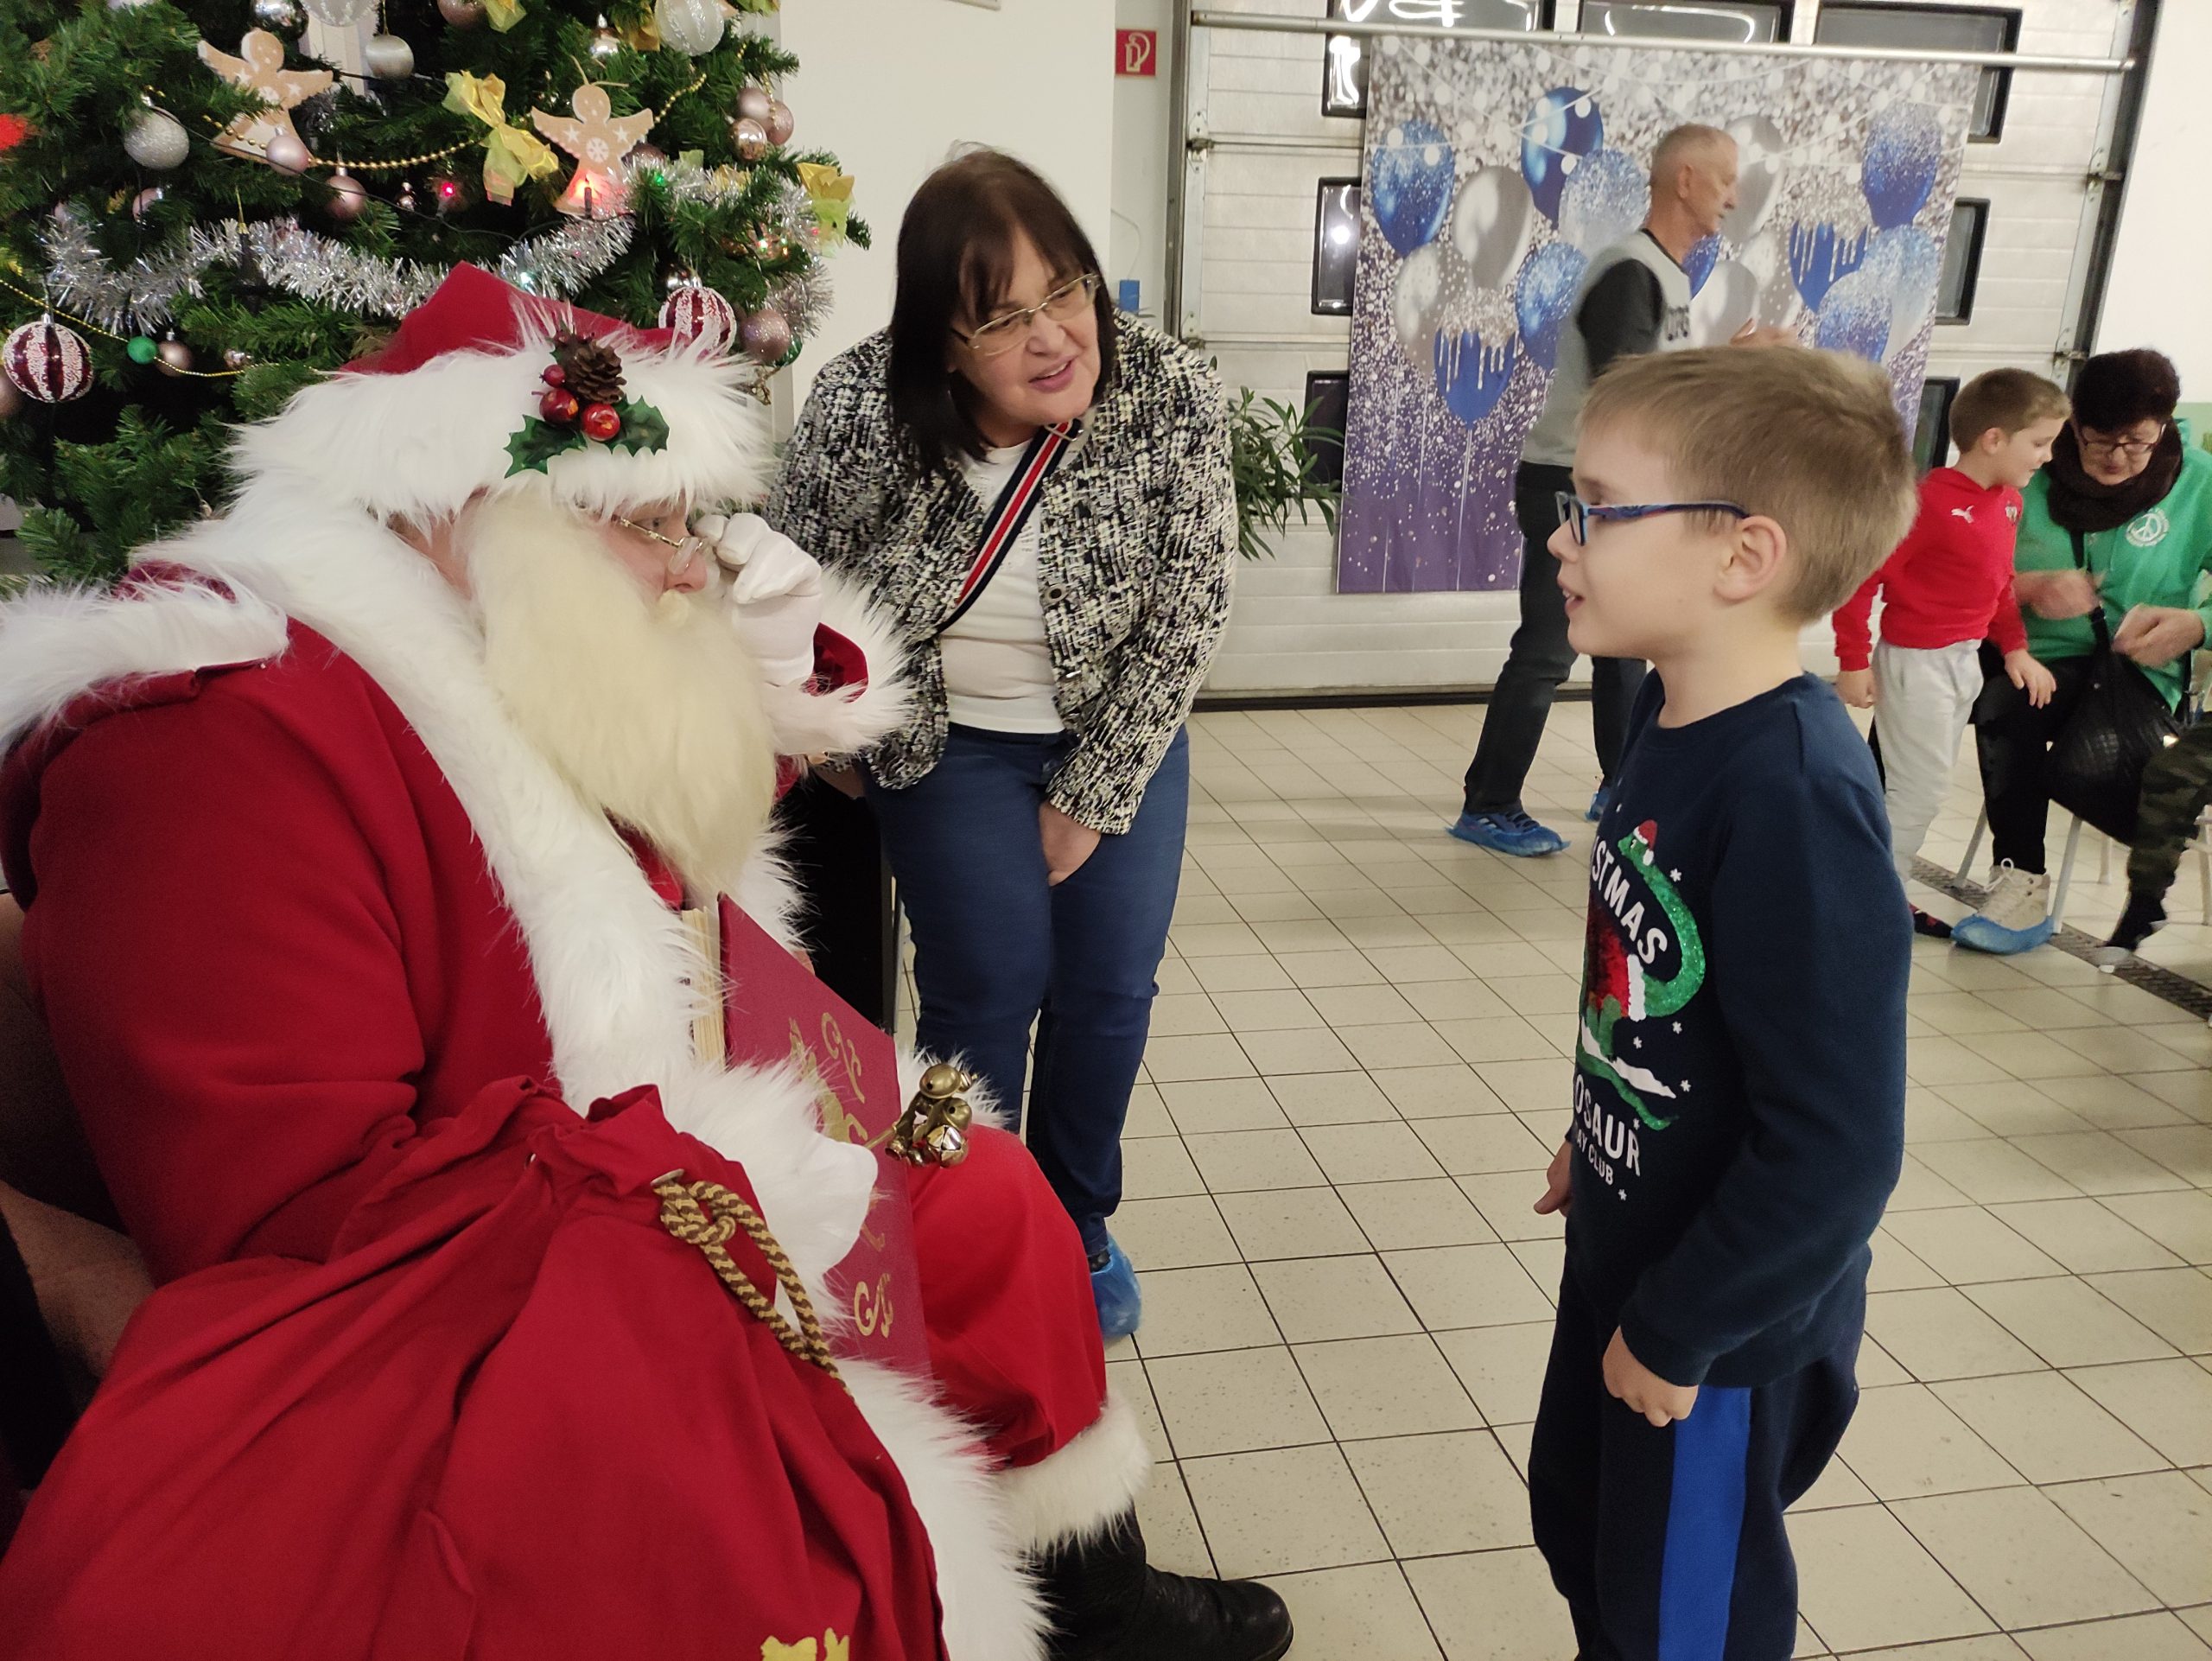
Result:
<point x="1808" y="439"/>
<point x="2010" y="400"/>
<point x="1691" y="143"/>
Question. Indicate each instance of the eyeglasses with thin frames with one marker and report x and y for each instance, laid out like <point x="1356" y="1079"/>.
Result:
<point x="1010" y="328"/>
<point x="688" y="548"/>
<point x="1576" y="514"/>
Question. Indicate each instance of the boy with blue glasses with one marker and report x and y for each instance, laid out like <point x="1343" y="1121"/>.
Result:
<point x="1738" y="1090"/>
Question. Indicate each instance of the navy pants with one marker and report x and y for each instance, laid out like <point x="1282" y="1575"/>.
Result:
<point x="996" y="949"/>
<point x="1668" y="1544"/>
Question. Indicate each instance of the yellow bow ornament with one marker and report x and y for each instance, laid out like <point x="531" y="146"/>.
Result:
<point x="512" y="156"/>
<point x="831" y="192"/>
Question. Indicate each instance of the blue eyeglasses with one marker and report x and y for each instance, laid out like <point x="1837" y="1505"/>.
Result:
<point x="1575" y="513"/>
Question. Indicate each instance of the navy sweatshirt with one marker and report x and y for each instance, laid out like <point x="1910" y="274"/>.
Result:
<point x="1739" y="1070"/>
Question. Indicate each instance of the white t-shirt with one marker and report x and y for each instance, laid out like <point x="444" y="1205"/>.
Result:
<point x="998" y="670"/>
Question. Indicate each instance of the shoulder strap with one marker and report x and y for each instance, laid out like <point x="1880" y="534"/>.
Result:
<point x="2097" y="625"/>
<point x="1002" y="525"/>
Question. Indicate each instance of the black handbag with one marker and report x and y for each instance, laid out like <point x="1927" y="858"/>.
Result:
<point x="2095" y="769"/>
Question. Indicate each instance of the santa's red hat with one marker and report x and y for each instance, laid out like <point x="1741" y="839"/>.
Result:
<point x="423" y="424"/>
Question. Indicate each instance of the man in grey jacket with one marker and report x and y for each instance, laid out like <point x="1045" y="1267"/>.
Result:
<point x="1635" y="297"/>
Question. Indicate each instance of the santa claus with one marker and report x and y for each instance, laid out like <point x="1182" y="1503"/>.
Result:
<point x="359" y="834"/>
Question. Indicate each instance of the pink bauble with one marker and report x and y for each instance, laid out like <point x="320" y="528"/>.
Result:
<point x="346" y="198"/>
<point x="462" y="14"/>
<point x="750" y="137"/>
<point x="752" y="103"/>
<point x="144" y="200"/>
<point x="175" y="357"/>
<point x="695" y="312"/>
<point x="766" y="335"/>
<point x="781" y="123"/>
<point x="288" y="153"/>
<point x="51" y="363"/>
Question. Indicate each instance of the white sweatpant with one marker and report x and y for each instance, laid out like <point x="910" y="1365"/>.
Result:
<point x="1923" y="696"/>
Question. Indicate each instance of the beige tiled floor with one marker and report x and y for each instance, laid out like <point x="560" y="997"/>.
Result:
<point x="1357" y="1074"/>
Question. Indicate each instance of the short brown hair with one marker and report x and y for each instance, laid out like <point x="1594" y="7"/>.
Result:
<point x="2010" y="400"/>
<point x="956" y="257"/>
<point x="1809" y="439"/>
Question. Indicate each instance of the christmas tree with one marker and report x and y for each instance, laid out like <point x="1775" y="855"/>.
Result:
<point x="197" y="215"/>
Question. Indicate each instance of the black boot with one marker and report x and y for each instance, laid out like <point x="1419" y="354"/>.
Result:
<point x="1107" y="1606"/>
<point x="2143" y="917"/>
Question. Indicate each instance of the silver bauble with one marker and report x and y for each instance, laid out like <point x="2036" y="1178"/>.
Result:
<point x="157" y="140"/>
<point x="234" y="359"/>
<point x="752" y="102"/>
<point x="277" y="14"/>
<point x="781" y="123"/>
<point x="347" y="197"/>
<point x="750" y="137"/>
<point x="288" y="153"/>
<point x="462" y="14"/>
<point x="175" y="357"/>
<point x="692" y="27"/>
<point x="388" y="57"/>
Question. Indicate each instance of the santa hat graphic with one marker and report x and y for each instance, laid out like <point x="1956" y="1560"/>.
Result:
<point x="419" y="426"/>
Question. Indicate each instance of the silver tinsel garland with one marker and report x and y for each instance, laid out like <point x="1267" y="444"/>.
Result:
<point x="143" y="296"/>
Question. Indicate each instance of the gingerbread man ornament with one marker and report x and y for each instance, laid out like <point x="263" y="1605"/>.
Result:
<point x="599" y="139"/>
<point x="260" y="68"/>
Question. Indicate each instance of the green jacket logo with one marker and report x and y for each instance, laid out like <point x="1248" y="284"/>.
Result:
<point x="2149" y="530"/>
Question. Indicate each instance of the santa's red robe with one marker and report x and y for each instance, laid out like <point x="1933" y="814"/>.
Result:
<point x="302" y="904"/>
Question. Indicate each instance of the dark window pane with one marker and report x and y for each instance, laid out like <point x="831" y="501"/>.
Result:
<point x="1714" y="21"/>
<point x="1336" y="244"/>
<point x="1931" y="439"/>
<point x="1343" y="72"/>
<point x="1325" y="396"/>
<point x="1961" y="262"/>
<point x="1933" y="29"/>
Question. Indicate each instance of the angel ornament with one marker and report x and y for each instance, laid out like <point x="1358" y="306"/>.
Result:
<point x="599" y="139"/>
<point x="260" y="68"/>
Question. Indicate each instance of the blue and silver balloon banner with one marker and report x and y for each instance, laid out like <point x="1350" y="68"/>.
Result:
<point x="1495" y="171"/>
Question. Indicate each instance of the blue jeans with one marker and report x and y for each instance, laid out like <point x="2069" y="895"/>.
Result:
<point x="996" y="949"/>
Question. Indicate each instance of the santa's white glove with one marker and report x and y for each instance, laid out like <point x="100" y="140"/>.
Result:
<point x="775" y="592"/>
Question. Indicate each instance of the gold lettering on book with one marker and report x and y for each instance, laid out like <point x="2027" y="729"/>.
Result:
<point x="838" y="1124"/>
<point x="871" y="1310"/>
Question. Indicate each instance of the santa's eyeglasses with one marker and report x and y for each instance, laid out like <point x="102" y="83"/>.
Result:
<point x="688" y="548"/>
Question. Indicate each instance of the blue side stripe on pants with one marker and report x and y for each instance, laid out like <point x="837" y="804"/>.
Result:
<point x="1704" y="1518"/>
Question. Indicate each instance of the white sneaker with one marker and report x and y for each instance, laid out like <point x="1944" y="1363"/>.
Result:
<point x="2014" y="917"/>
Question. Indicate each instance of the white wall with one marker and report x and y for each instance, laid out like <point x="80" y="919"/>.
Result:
<point x="2157" y="294"/>
<point x="890" y="85"/>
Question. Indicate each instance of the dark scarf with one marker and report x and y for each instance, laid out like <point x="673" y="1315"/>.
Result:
<point x="2077" y="502"/>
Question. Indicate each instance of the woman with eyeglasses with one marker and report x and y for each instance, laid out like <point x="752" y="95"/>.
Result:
<point x="1038" y="487"/>
<point x="2117" y="528"/>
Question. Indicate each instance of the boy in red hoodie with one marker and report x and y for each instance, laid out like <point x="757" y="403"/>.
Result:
<point x="1947" y="588"/>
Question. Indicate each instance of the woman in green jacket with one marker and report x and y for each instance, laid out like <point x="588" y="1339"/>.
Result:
<point x="2126" y="486"/>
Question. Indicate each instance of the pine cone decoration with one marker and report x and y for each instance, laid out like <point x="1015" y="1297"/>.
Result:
<point x="591" y="369"/>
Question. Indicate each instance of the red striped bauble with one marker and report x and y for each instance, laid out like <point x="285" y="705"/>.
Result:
<point x="693" y="312"/>
<point x="50" y="362"/>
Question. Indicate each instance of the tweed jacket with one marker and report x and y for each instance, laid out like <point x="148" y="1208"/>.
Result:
<point x="1136" y="540"/>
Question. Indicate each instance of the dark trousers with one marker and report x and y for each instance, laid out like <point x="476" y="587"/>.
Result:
<point x="2011" y="738"/>
<point x="996" y="949"/>
<point x="1539" y="661"/>
<point x="1667" y="1544"/>
<point x="2177" y="784"/>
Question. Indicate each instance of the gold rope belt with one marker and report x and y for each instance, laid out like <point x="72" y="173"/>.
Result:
<point x="706" y="1214"/>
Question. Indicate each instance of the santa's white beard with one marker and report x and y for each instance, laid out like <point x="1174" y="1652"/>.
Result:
<point x="653" y="712"/>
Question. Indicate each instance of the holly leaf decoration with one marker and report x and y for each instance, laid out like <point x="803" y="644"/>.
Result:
<point x="644" y="428"/>
<point x="538" y="442"/>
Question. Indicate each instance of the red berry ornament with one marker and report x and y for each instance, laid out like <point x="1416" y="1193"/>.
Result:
<point x="558" y="406"/>
<point x="600" y="422"/>
<point x="554" y="375"/>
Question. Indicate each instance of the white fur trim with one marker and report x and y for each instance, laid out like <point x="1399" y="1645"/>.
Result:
<point x="1074" y="1493"/>
<point x="613" y="968"/>
<point x="842" y="724"/>
<point x="421" y="443"/>
<point x="54" y="643"/>
<point x="988" y="1615"/>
